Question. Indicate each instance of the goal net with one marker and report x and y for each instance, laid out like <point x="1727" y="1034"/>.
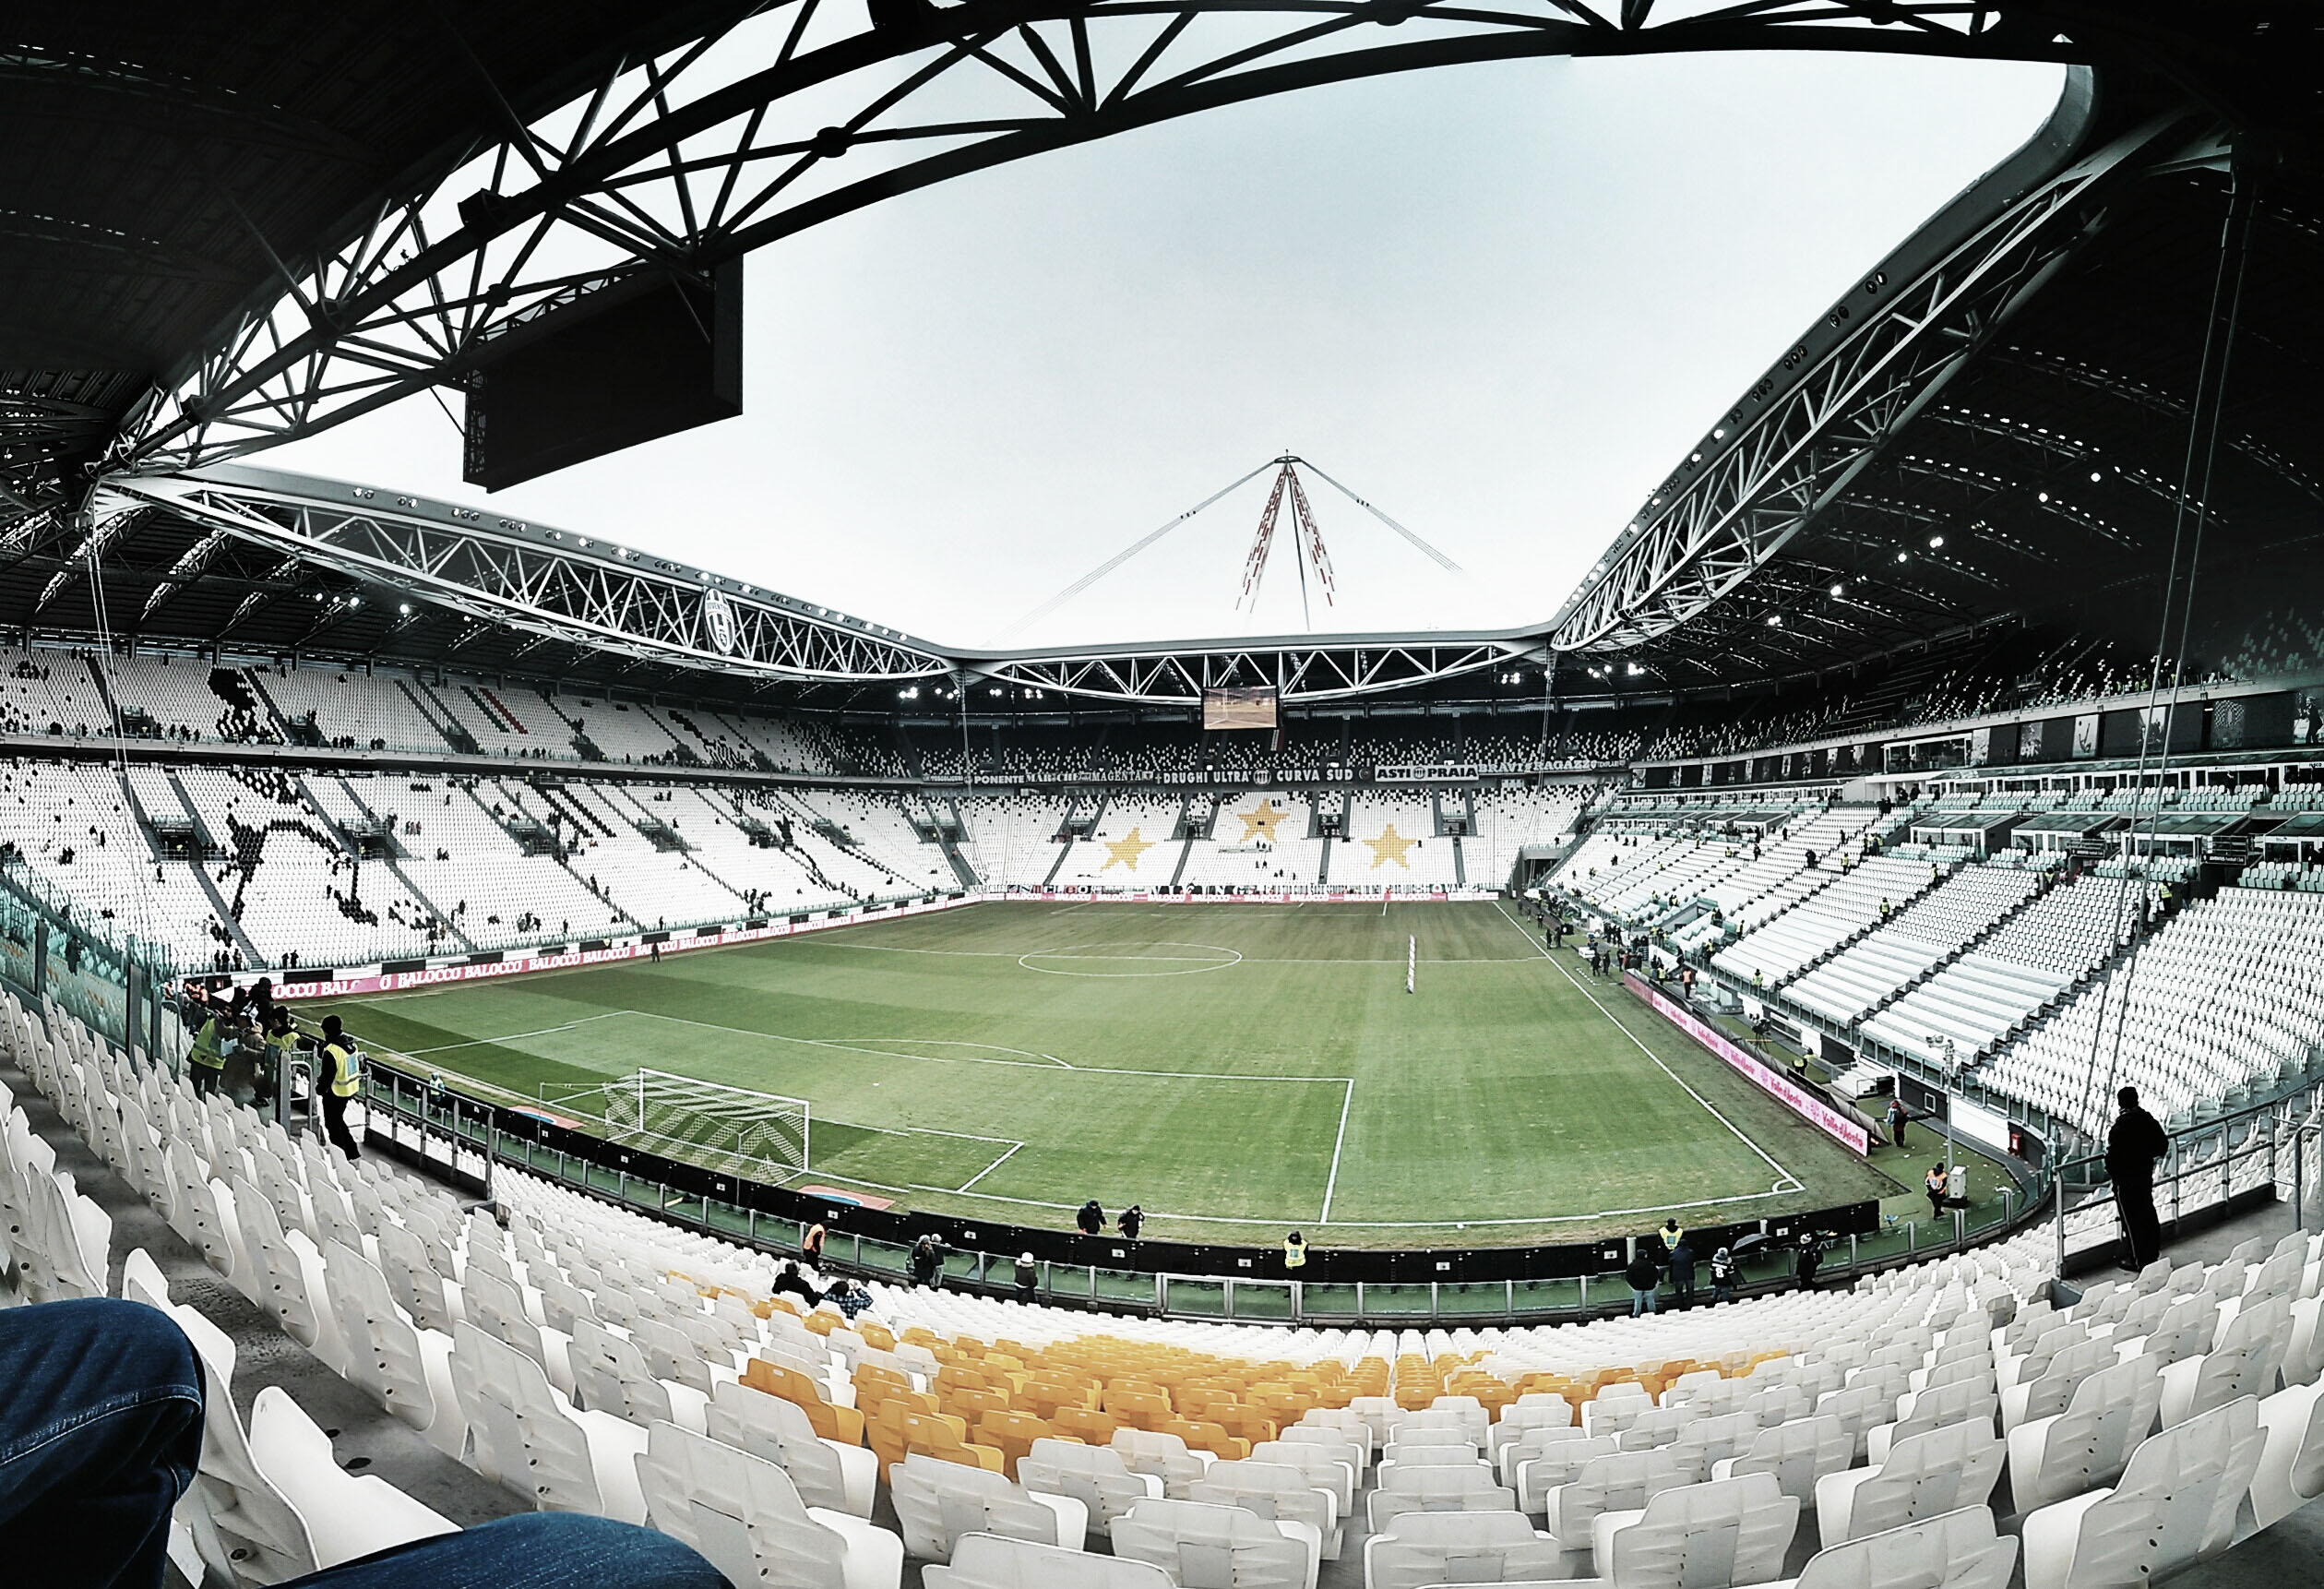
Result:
<point x="757" y="1136"/>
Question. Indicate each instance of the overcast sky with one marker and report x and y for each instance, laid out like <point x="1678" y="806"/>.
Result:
<point x="1498" y="302"/>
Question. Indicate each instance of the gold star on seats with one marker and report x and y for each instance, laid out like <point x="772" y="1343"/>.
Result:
<point x="1125" y="851"/>
<point x="1260" y="819"/>
<point x="1388" y="847"/>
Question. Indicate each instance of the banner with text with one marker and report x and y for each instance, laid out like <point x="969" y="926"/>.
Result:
<point x="1806" y="1105"/>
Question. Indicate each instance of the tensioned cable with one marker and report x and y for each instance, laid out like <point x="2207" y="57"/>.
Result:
<point x="1132" y="550"/>
<point x="1447" y="564"/>
<point x="2204" y="437"/>
<point x="147" y="907"/>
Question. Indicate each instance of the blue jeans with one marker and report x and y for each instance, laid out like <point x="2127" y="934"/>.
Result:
<point x="101" y="1431"/>
<point x="1640" y="1301"/>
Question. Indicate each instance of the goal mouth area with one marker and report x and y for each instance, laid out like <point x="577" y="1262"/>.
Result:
<point x="736" y="1130"/>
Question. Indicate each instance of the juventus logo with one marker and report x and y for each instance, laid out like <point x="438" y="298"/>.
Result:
<point x="717" y="621"/>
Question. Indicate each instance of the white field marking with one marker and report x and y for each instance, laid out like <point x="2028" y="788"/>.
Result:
<point x="856" y="1047"/>
<point x="814" y="1173"/>
<point x="988" y="1169"/>
<point x="1191" y="965"/>
<point x="514" y="1036"/>
<point x="1798" y="1185"/>
<point x="1246" y="959"/>
<point x="1332" y="1182"/>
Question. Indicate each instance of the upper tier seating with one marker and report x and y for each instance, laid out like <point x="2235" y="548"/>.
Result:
<point x="1862" y="897"/>
<point x="1983" y="997"/>
<point x="1942" y="922"/>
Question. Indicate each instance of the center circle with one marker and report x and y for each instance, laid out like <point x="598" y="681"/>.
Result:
<point x="1161" y="958"/>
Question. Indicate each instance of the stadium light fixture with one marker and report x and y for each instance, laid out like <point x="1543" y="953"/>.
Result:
<point x="1905" y="556"/>
<point x="1836" y="588"/>
<point x="1775" y="620"/>
<point x="404" y="607"/>
<point x="1935" y="542"/>
<point x="2040" y="496"/>
<point x="2094" y="477"/>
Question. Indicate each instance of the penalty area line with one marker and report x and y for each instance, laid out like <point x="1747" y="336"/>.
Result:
<point x="1332" y="1182"/>
<point x="1786" y="1176"/>
<point x="988" y="1169"/>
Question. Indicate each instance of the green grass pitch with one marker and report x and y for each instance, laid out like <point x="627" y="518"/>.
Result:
<point x="1236" y="1069"/>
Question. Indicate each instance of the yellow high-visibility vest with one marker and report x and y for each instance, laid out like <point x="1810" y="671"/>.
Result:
<point x="347" y="1075"/>
<point x="208" y="1052"/>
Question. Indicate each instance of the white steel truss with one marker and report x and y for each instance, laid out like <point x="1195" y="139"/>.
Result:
<point x="801" y="111"/>
<point x="1301" y="671"/>
<point x="1790" y="449"/>
<point x="550" y="583"/>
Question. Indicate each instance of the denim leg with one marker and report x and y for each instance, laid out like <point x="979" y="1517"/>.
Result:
<point x="100" y="1431"/>
<point x="540" y="1550"/>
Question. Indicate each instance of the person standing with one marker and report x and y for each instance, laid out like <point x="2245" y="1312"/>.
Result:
<point x="1027" y="1278"/>
<point x="2134" y="1147"/>
<point x="1899" y="1116"/>
<point x="811" y="1244"/>
<point x="1090" y="1220"/>
<point x="1682" y="1272"/>
<point x="339" y="1076"/>
<point x="1133" y="1220"/>
<point x="1643" y="1275"/>
<point x="1724" y="1277"/>
<point x="1938" y="1184"/>
<point x="1295" y="1253"/>
<point x="1811" y="1256"/>
<point x="926" y="1262"/>
<point x="206" y="1063"/>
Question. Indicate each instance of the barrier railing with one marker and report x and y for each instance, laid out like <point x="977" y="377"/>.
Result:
<point x="463" y="1138"/>
<point x="2215" y="1169"/>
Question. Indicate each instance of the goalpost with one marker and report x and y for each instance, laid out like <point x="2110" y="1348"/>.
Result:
<point x="756" y="1136"/>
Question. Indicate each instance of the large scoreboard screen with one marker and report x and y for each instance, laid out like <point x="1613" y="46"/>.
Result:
<point x="1238" y="708"/>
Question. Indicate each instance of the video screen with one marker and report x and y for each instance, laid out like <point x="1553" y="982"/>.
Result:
<point x="1238" y="709"/>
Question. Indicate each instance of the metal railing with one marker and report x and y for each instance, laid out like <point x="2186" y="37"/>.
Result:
<point x="463" y="1138"/>
<point x="2254" y="1153"/>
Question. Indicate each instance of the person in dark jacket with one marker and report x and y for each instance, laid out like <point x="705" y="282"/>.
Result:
<point x="1133" y="1220"/>
<point x="1643" y="1275"/>
<point x="1091" y="1221"/>
<point x="1027" y="1278"/>
<point x="2134" y="1147"/>
<point x="1811" y="1255"/>
<point x="926" y="1261"/>
<point x="1724" y="1276"/>
<point x="1683" y="1272"/>
<point x="796" y="1284"/>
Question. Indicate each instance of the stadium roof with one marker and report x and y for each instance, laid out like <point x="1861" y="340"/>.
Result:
<point x="165" y="162"/>
<point x="181" y="171"/>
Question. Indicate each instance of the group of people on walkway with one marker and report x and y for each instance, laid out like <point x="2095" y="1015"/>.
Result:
<point x="1670" y="1248"/>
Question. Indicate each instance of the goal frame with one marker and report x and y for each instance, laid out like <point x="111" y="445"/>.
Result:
<point x="646" y="1089"/>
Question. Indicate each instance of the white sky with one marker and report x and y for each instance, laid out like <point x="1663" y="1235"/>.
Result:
<point x="1496" y="300"/>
